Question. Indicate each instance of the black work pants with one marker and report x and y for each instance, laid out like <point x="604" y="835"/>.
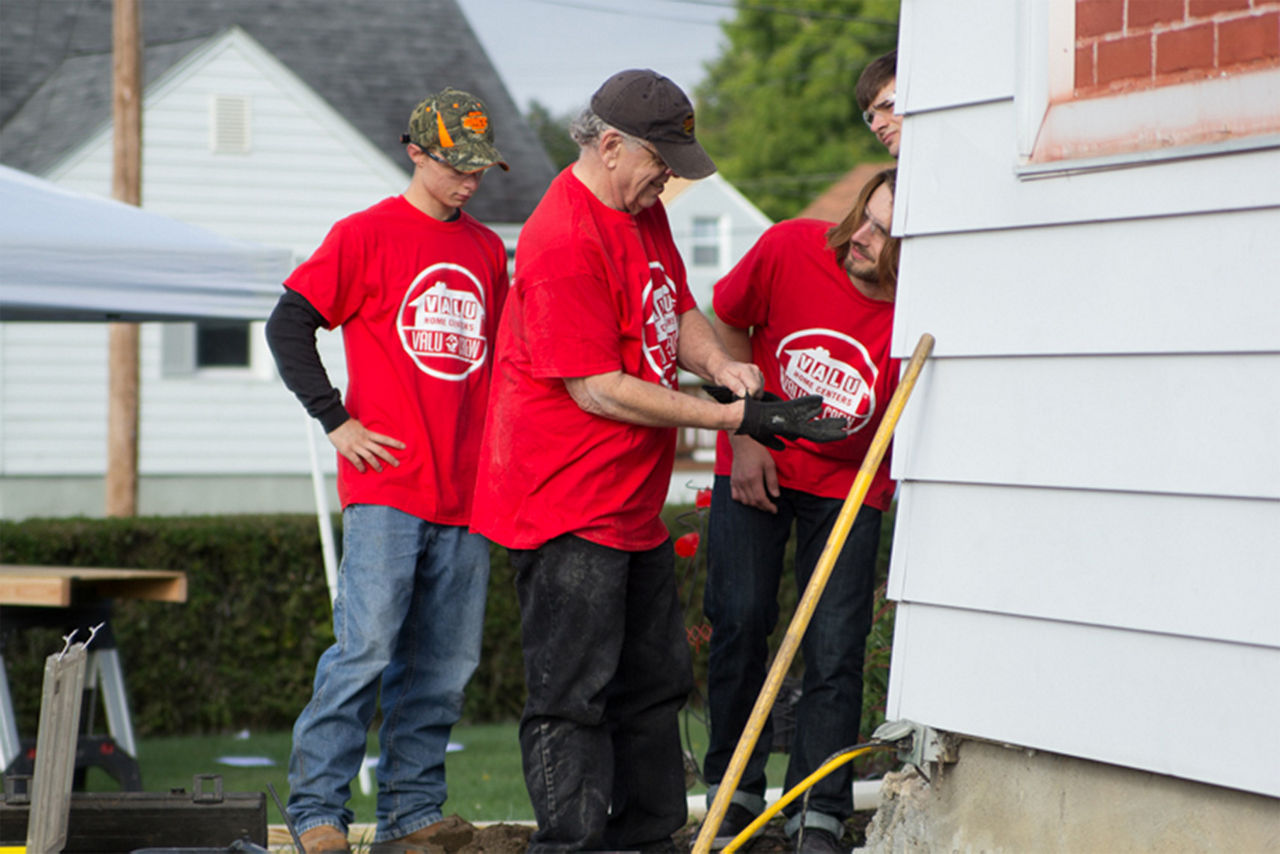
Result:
<point x="607" y="667"/>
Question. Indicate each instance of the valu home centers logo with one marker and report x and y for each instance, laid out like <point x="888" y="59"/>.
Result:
<point x="829" y="363"/>
<point x="441" y="322"/>
<point x="661" y="327"/>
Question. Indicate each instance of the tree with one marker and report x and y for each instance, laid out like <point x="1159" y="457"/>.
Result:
<point x="777" y="110"/>
<point x="553" y="133"/>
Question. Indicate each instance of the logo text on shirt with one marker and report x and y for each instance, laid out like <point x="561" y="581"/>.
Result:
<point x="834" y="365"/>
<point x="661" y="326"/>
<point x="441" y="322"/>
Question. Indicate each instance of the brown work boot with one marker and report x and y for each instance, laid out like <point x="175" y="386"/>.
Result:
<point x="448" y="834"/>
<point x="325" y="839"/>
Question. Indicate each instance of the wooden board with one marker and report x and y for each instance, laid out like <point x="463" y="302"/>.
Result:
<point x="57" y="586"/>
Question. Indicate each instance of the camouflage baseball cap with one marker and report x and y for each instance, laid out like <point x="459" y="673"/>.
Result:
<point x="457" y="123"/>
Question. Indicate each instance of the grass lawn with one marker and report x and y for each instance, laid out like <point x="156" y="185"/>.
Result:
<point x="485" y="779"/>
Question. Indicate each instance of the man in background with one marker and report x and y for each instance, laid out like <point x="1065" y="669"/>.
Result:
<point x="416" y="286"/>
<point x="876" y="95"/>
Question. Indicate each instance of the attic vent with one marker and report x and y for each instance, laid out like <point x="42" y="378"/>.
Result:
<point x="230" y="127"/>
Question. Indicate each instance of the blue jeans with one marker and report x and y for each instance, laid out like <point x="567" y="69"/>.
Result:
<point x="744" y="569"/>
<point x="408" y="617"/>
<point x="608" y="668"/>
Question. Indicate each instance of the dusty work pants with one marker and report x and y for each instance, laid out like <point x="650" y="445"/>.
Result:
<point x="744" y="569"/>
<point x="608" y="668"/>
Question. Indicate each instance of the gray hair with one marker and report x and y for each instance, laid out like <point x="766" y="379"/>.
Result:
<point x="587" y="128"/>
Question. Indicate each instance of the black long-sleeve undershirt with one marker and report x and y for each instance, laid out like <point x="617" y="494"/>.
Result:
<point x="291" y="335"/>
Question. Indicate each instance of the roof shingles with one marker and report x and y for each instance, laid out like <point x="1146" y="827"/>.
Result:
<point x="371" y="60"/>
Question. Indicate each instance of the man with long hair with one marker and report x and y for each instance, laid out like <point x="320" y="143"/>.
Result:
<point x="811" y="304"/>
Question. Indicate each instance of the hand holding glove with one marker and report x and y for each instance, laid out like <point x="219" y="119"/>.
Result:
<point x="767" y="418"/>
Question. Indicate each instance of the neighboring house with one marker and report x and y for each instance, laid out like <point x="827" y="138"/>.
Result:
<point x="1087" y="553"/>
<point x="838" y="199"/>
<point x="713" y="225"/>
<point x="264" y="120"/>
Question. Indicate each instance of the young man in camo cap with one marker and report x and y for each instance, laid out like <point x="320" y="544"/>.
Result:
<point x="416" y="286"/>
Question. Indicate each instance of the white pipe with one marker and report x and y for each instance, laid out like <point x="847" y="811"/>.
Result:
<point x="325" y="523"/>
<point x="866" y="797"/>
<point x="322" y="512"/>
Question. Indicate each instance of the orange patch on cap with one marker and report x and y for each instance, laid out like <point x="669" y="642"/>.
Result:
<point x="475" y="121"/>
<point x="445" y="140"/>
<point x="688" y="124"/>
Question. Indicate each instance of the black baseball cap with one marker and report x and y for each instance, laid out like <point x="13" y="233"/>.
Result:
<point x="647" y="105"/>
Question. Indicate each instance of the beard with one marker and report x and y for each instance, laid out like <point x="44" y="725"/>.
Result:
<point x="860" y="269"/>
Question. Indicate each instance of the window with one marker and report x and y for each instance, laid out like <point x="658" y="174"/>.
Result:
<point x="706" y="241"/>
<point x="1109" y="83"/>
<point x="230" y="348"/>
<point x="222" y="344"/>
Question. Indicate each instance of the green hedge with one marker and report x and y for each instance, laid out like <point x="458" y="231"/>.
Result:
<point x="241" y="652"/>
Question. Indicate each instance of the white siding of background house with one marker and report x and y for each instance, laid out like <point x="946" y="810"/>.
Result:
<point x="214" y="440"/>
<point x="713" y="225"/>
<point x="1087" y="554"/>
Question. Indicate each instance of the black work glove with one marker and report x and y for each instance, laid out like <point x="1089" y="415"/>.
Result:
<point x="767" y="418"/>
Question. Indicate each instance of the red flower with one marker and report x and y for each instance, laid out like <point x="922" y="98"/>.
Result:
<point x="687" y="546"/>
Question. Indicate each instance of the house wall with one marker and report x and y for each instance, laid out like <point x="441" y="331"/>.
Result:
<point x="305" y="166"/>
<point x="209" y="439"/>
<point x="739" y="226"/>
<point x="216" y="441"/>
<point x="1085" y="549"/>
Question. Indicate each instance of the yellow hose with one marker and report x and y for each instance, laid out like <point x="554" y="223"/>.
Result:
<point x="798" y="790"/>
<point x="809" y="601"/>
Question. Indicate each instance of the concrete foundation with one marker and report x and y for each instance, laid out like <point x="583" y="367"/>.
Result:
<point x="998" y="799"/>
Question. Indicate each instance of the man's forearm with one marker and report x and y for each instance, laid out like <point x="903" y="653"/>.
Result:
<point x="736" y="342"/>
<point x="291" y="335"/>
<point x="702" y="352"/>
<point x="700" y="349"/>
<point x="623" y="397"/>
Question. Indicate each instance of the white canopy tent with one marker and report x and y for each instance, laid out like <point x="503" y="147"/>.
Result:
<point x="67" y="256"/>
<point x="70" y="256"/>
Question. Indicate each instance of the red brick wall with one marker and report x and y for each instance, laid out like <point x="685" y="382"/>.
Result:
<point x="1122" y="45"/>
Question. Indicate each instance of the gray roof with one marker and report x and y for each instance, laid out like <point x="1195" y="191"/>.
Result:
<point x="371" y="60"/>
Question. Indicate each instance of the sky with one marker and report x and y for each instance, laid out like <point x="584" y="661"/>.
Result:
<point x="558" y="52"/>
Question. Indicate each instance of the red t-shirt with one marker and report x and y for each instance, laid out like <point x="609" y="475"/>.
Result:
<point x="418" y="301"/>
<point x="596" y="290"/>
<point x="813" y="332"/>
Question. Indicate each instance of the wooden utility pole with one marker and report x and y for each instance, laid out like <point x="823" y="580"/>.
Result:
<point x="126" y="185"/>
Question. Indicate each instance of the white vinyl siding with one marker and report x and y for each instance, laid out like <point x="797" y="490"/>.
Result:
<point x="1110" y="567"/>
<point x="53" y="389"/>
<point x="1188" y="424"/>
<point x="307" y="168"/>
<point x="1137" y="699"/>
<point x="1086" y="558"/>
<point x="947" y="72"/>
<point x="1195" y="283"/>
